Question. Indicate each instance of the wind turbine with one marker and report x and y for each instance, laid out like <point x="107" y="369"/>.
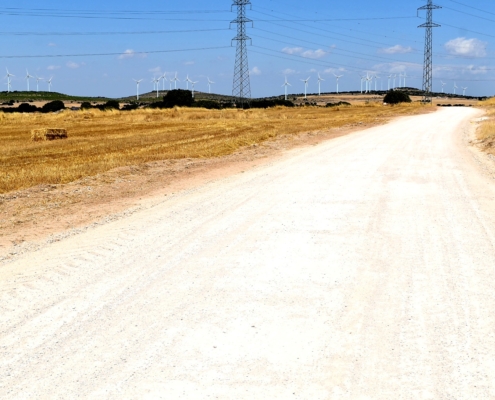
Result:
<point x="9" y="81"/>
<point x="395" y="77"/>
<point x="50" y="84"/>
<point x="404" y="76"/>
<point x="369" y="81"/>
<point x="176" y="80"/>
<point x="455" y="87"/>
<point x="320" y="80"/>
<point x="192" y="85"/>
<point x="389" y="80"/>
<point x="376" y="79"/>
<point x="443" y="85"/>
<point x="28" y="77"/>
<point x="137" y="87"/>
<point x="464" y="91"/>
<point x="156" y="82"/>
<point x="306" y="86"/>
<point x="209" y="85"/>
<point x="286" y="84"/>
<point x="187" y="82"/>
<point x="163" y="78"/>
<point x="38" y="79"/>
<point x="362" y="80"/>
<point x="400" y="80"/>
<point x="337" y="77"/>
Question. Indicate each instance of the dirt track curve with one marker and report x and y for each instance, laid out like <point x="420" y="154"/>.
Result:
<point x="361" y="268"/>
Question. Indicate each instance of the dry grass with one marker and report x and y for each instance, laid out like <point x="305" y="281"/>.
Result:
<point x="486" y="131"/>
<point x="100" y="141"/>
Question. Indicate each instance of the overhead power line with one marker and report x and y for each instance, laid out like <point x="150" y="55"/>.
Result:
<point x="107" y="33"/>
<point x="124" y="55"/>
<point x="469" y="6"/>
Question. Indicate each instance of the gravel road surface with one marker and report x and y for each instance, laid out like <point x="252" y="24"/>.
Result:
<point x="360" y="268"/>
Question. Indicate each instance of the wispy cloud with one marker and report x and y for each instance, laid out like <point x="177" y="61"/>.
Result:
<point x="289" y="71"/>
<point x="53" y="67"/>
<point x="314" y="54"/>
<point x="397" y="49"/>
<point x="129" y="53"/>
<point x="189" y="63"/>
<point x="466" y="47"/>
<point x="73" y="65"/>
<point x="255" y="71"/>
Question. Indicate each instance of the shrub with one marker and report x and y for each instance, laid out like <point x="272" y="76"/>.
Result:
<point x="179" y="98"/>
<point x="110" y="105"/>
<point x="27" y="108"/>
<point x="86" y="105"/>
<point x="53" y="106"/>
<point x="270" y="103"/>
<point x="396" y="97"/>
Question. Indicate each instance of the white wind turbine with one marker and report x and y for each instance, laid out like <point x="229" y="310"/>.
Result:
<point x="404" y="76"/>
<point x="443" y="85"/>
<point x="9" y="81"/>
<point x="156" y="82"/>
<point x="395" y="77"/>
<point x="376" y="80"/>
<point x="306" y="86"/>
<point x="362" y="80"/>
<point x="389" y="80"/>
<point x="28" y="77"/>
<point x="464" y="91"/>
<point x="320" y="80"/>
<point x="176" y="80"/>
<point x="49" y="81"/>
<point x="337" y="77"/>
<point x="187" y="82"/>
<point x="455" y="87"/>
<point x="209" y="85"/>
<point x="163" y="78"/>
<point x="369" y="81"/>
<point x="192" y="86"/>
<point x="38" y="79"/>
<point x="286" y="84"/>
<point x="400" y="80"/>
<point x="137" y="87"/>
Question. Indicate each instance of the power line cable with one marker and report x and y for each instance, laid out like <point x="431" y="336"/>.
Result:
<point x="124" y="55"/>
<point x="108" y="33"/>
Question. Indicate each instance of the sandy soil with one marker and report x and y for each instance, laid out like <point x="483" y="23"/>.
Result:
<point x="361" y="268"/>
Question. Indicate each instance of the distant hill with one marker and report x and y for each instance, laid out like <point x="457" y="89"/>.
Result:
<point x="27" y="97"/>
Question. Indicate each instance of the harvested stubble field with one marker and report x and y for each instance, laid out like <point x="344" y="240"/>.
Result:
<point x="486" y="131"/>
<point x="102" y="140"/>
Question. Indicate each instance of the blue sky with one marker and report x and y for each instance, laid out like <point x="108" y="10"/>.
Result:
<point x="290" y="38"/>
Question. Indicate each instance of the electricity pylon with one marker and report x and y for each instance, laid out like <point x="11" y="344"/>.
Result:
<point x="242" y="86"/>
<point x="428" y="66"/>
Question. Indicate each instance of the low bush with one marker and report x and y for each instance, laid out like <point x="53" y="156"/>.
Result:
<point x="340" y="103"/>
<point x="53" y="106"/>
<point x="396" y="97"/>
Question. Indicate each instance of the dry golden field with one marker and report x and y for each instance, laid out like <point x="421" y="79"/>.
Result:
<point x="100" y="141"/>
<point x="486" y="131"/>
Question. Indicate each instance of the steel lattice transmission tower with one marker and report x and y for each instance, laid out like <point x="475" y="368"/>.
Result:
<point x="242" y="86"/>
<point x="428" y="66"/>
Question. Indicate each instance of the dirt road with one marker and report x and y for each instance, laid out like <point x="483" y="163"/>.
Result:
<point x="361" y="268"/>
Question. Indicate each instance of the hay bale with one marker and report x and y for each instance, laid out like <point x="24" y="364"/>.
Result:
<point x="48" y="134"/>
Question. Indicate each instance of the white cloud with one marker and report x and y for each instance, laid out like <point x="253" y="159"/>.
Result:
<point x="466" y="47"/>
<point x="129" y="53"/>
<point x="255" y="71"/>
<point x="53" y="67"/>
<point x="189" y="63"/>
<point x="314" y="54"/>
<point x="156" y="70"/>
<point x="292" y="50"/>
<point x="52" y="45"/>
<point x="73" y="65"/>
<point x="472" y="69"/>
<point x="288" y="71"/>
<point x="397" y="49"/>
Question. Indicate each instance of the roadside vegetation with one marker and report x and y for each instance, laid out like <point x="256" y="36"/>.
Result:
<point x="102" y="140"/>
<point x="486" y="131"/>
